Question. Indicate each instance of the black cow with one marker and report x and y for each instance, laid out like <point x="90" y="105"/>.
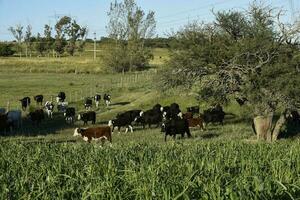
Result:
<point x="25" y="102"/>
<point x="213" y="115"/>
<point x="70" y="115"/>
<point x="125" y="119"/>
<point x="39" y="99"/>
<point x="193" y="109"/>
<point x="61" y="97"/>
<point x="175" y="126"/>
<point x="37" y="116"/>
<point x="5" y="125"/>
<point x="107" y="99"/>
<point x="150" y="117"/>
<point x="97" y="99"/>
<point x="88" y="116"/>
<point x="88" y="103"/>
<point x="157" y="107"/>
<point x="172" y="112"/>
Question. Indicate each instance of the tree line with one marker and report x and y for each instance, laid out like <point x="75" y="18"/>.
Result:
<point x="69" y="37"/>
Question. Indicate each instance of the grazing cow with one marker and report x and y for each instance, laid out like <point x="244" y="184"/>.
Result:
<point x="97" y="133"/>
<point x="62" y="106"/>
<point x="213" y="115"/>
<point x="175" y="126"/>
<point x="124" y="119"/>
<point x="97" y="99"/>
<point x="88" y="116"/>
<point x="37" y="116"/>
<point x="14" y="117"/>
<point x="25" y="102"/>
<point x="150" y="117"/>
<point x="193" y="109"/>
<point x="49" y="106"/>
<point x="2" y="110"/>
<point x="70" y="115"/>
<point x="61" y="97"/>
<point x="107" y="99"/>
<point x="39" y="99"/>
<point x="88" y="103"/>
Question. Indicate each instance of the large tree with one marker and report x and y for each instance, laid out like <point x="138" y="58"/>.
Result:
<point x="18" y="35"/>
<point x="129" y="26"/>
<point x="245" y="55"/>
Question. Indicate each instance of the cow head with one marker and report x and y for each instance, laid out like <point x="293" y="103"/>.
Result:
<point x="77" y="132"/>
<point x="111" y="122"/>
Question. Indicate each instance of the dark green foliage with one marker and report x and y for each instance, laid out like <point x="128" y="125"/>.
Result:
<point x="6" y="49"/>
<point x="128" y="27"/>
<point x="200" y="170"/>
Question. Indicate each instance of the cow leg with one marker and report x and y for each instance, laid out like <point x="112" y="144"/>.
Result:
<point x="131" y="129"/>
<point x="126" y="130"/>
<point x="119" y="129"/>
<point x="165" y="137"/>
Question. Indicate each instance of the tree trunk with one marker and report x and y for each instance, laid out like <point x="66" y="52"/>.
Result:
<point x="263" y="127"/>
<point x="280" y="122"/>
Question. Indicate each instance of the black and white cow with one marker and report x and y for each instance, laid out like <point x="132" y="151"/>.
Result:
<point x="107" y="99"/>
<point x="49" y="106"/>
<point x="70" y="115"/>
<point x="88" y="116"/>
<point x="124" y="120"/>
<point x="39" y="99"/>
<point x="97" y="99"/>
<point x="61" y="97"/>
<point x="150" y="117"/>
<point x="25" y="102"/>
<point x="88" y="103"/>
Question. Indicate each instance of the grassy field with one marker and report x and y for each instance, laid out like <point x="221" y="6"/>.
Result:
<point x="222" y="162"/>
<point x="67" y="64"/>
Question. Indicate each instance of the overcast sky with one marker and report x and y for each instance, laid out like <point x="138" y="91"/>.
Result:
<point x="170" y="14"/>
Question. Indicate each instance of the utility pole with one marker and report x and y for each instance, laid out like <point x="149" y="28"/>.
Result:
<point x="95" y="46"/>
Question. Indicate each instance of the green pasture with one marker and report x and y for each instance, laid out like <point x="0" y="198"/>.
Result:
<point x="221" y="162"/>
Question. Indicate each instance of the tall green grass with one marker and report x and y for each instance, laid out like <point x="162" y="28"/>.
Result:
<point x="180" y="170"/>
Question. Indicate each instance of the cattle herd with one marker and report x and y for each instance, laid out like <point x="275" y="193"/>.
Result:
<point x="170" y="119"/>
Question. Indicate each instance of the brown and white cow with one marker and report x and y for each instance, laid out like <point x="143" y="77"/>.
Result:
<point x="95" y="133"/>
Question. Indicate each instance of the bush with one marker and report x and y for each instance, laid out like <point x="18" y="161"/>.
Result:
<point x="6" y="49"/>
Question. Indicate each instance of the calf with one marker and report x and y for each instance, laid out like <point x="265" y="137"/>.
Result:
<point x="49" y="106"/>
<point x="39" y="99"/>
<point x="176" y="126"/>
<point x="70" y="115"/>
<point x="198" y="121"/>
<point x="88" y="116"/>
<point x="25" y="102"/>
<point x="124" y="119"/>
<point x="37" y="116"/>
<point x="107" y="99"/>
<point x="14" y="117"/>
<point x="97" y="133"/>
<point x="61" y="97"/>
<point x="88" y="103"/>
<point x="97" y="99"/>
